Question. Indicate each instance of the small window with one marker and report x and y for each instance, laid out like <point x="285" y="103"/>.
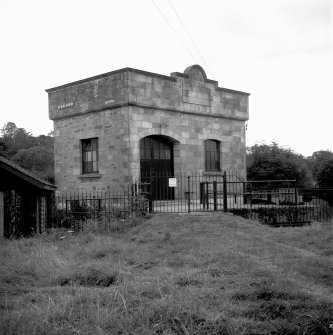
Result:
<point x="212" y="155"/>
<point x="89" y="155"/>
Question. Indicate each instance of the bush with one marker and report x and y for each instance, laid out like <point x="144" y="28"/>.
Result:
<point x="77" y="213"/>
<point x="324" y="175"/>
<point x="139" y="206"/>
<point x="276" y="216"/>
<point x="273" y="162"/>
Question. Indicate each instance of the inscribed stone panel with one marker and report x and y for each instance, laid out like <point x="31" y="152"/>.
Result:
<point x="196" y="93"/>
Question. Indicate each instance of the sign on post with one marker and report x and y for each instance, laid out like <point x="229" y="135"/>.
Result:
<point x="172" y="182"/>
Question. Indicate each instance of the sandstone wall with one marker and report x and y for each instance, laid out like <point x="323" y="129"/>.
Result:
<point x="123" y="106"/>
<point x="188" y="133"/>
<point x="111" y="128"/>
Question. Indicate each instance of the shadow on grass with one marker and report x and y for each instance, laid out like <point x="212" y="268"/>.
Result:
<point x="166" y="321"/>
<point x="288" y="313"/>
<point x="91" y="278"/>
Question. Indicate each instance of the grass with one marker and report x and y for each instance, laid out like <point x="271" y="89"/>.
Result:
<point x="172" y="274"/>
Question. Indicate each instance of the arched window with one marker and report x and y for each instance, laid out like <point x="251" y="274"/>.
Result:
<point x="212" y="155"/>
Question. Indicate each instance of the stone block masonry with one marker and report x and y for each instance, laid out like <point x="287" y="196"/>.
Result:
<point x="122" y="107"/>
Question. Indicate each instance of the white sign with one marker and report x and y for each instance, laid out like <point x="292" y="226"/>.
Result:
<point x="69" y="104"/>
<point x="172" y="182"/>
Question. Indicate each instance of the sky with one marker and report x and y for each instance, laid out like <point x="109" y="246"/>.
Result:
<point x="280" y="51"/>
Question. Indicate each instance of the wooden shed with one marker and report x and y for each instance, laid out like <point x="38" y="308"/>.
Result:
<point x="23" y="201"/>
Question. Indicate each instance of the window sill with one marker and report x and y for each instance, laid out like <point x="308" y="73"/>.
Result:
<point x="90" y="175"/>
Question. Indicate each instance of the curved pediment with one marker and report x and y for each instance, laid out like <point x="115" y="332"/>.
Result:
<point x="196" y="72"/>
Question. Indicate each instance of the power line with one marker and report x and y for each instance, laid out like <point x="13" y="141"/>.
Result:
<point x="189" y="36"/>
<point x="175" y="32"/>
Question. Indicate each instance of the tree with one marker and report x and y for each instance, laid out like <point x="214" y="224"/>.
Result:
<point x="43" y="140"/>
<point x="324" y="174"/>
<point x="272" y="162"/>
<point x="9" y="129"/>
<point x="32" y="153"/>
<point x="13" y="139"/>
<point x="37" y="159"/>
<point x="318" y="161"/>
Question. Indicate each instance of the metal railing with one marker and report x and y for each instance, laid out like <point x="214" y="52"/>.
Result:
<point x="271" y="202"/>
<point x="275" y="202"/>
<point x="74" y="210"/>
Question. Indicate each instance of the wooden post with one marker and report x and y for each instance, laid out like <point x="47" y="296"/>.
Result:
<point x="2" y="215"/>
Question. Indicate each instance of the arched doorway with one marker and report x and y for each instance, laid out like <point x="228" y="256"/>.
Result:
<point x="156" y="165"/>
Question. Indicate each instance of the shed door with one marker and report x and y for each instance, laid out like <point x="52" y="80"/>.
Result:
<point x="156" y="163"/>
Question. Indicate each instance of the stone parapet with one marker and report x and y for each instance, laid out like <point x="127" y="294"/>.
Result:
<point x="189" y="92"/>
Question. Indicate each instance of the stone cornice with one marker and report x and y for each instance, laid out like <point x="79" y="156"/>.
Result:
<point x="173" y="78"/>
<point x="126" y="69"/>
<point x="140" y="105"/>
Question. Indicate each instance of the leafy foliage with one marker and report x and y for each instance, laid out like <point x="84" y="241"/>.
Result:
<point x="272" y="162"/>
<point x="321" y="163"/>
<point x="324" y="176"/>
<point x="32" y="153"/>
<point x="318" y="158"/>
<point x="14" y="139"/>
<point x="17" y="214"/>
<point x="277" y="216"/>
<point x="37" y="159"/>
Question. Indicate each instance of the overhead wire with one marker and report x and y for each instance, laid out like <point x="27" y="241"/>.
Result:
<point x="175" y="32"/>
<point x="189" y="36"/>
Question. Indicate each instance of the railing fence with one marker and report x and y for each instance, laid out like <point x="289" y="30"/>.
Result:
<point x="270" y="201"/>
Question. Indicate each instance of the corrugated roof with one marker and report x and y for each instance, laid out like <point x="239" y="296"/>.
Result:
<point x="27" y="176"/>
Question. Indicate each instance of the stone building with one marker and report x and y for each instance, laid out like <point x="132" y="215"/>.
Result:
<point x="114" y="127"/>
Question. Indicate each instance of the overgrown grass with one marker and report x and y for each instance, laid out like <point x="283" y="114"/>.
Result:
<point x="173" y="274"/>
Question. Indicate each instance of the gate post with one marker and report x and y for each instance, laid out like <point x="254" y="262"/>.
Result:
<point x="189" y="194"/>
<point x="67" y="211"/>
<point x="225" y="195"/>
<point x="207" y="195"/>
<point x="215" y="194"/>
<point x="202" y="194"/>
<point x="2" y="215"/>
<point x="150" y="200"/>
